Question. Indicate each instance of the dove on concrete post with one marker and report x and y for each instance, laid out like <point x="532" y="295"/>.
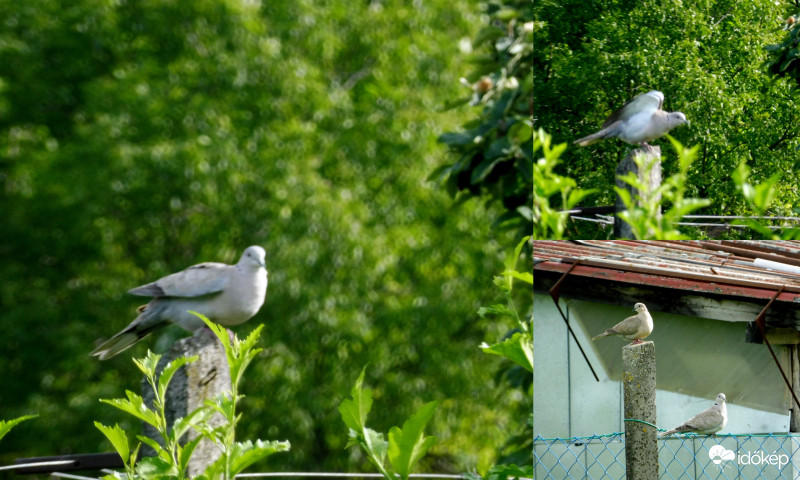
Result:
<point x="226" y="294"/>
<point x="707" y="422"/>
<point x="639" y="121"/>
<point x="633" y="328"/>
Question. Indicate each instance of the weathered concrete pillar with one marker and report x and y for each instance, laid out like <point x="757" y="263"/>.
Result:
<point x="650" y="176"/>
<point x="190" y="386"/>
<point x="639" y="386"/>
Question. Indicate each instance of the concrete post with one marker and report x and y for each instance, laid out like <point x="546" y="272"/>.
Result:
<point x="190" y="386"/>
<point x="650" y="176"/>
<point x="794" y="417"/>
<point x="639" y="386"/>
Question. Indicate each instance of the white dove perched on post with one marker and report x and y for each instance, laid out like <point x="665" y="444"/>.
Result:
<point x="226" y="294"/>
<point x="639" y="121"/>
<point x="633" y="328"/>
<point x="707" y="422"/>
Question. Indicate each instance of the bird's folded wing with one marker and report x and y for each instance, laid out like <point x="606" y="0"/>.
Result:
<point x="646" y="102"/>
<point x="196" y="281"/>
<point x="629" y="326"/>
<point x="706" y="420"/>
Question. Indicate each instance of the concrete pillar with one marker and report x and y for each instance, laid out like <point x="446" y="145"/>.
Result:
<point x="639" y="387"/>
<point x="794" y="417"/>
<point x="190" y="386"/>
<point x="651" y="176"/>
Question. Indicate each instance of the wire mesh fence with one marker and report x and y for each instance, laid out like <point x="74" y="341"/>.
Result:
<point x="680" y="457"/>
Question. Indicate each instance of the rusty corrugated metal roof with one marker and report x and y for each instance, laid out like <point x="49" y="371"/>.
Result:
<point x="738" y="268"/>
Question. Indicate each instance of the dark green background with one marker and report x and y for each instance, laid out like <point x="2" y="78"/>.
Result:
<point x="140" y="137"/>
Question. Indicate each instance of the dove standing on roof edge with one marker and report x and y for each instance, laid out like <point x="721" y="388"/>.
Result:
<point x="639" y="121"/>
<point x="707" y="422"/>
<point x="633" y="328"/>
<point x="226" y="294"/>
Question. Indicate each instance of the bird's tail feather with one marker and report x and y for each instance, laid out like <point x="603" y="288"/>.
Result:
<point x="127" y="337"/>
<point x="590" y="139"/>
<point x="116" y="344"/>
<point x="604" y="334"/>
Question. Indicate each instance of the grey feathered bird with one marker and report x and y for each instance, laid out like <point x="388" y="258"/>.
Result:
<point x="633" y="328"/>
<point x="639" y="121"/>
<point x="707" y="422"/>
<point x="226" y="294"/>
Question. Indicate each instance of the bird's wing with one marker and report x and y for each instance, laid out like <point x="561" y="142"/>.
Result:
<point x="198" y="280"/>
<point x="647" y="102"/>
<point x="707" y="420"/>
<point x="629" y="326"/>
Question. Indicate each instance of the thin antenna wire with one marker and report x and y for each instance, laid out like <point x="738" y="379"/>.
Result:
<point x="51" y="463"/>
<point x="68" y="475"/>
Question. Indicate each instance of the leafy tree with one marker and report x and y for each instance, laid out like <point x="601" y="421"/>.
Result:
<point x="707" y="58"/>
<point x="493" y="153"/>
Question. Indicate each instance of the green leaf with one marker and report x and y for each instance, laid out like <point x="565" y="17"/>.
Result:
<point x="168" y="372"/>
<point x="526" y="277"/>
<point x="150" y="467"/>
<point x="183" y="424"/>
<point x="765" y="192"/>
<point x="118" y="439"/>
<point x="521" y="131"/>
<point x="222" y="403"/>
<point x="160" y="451"/>
<point x="518" y="348"/>
<point x="135" y="406"/>
<point x="186" y="452"/>
<point x="575" y="196"/>
<point x="247" y="453"/>
<point x="454" y="139"/>
<point x="354" y="411"/>
<point x="504" y="472"/>
<point x="511" y="262"/>
<point x="148" y="364"/>
<point x="218" y="330"/>
<point x="483" y="170"/>
<point x="500" y="148"/>
<point x="7" y="425"/>
<point x="376" y="445"/>
<point x="498" y="310"/>
<point x="409" y="444"/>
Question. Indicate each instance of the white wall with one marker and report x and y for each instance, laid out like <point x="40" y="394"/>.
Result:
<point x="569" y="402"/>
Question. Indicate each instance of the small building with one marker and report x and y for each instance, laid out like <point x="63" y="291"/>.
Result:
<point x="704" y="297"/>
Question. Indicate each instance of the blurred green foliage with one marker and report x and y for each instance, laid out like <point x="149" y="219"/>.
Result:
<point x="492" y="154"/>
<point x="783" y="56"/>
<point x="140" y="137"/>
<point x="708" y="60"/>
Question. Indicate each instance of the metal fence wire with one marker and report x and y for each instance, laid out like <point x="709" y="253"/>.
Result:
<point x="680" y="457"/>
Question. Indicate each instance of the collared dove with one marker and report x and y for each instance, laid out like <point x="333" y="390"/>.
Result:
<point x="633" y="328"/>
<point x="226" y="294"/>
<point x="639" y="121"/>
<point x="707" y="422"/>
